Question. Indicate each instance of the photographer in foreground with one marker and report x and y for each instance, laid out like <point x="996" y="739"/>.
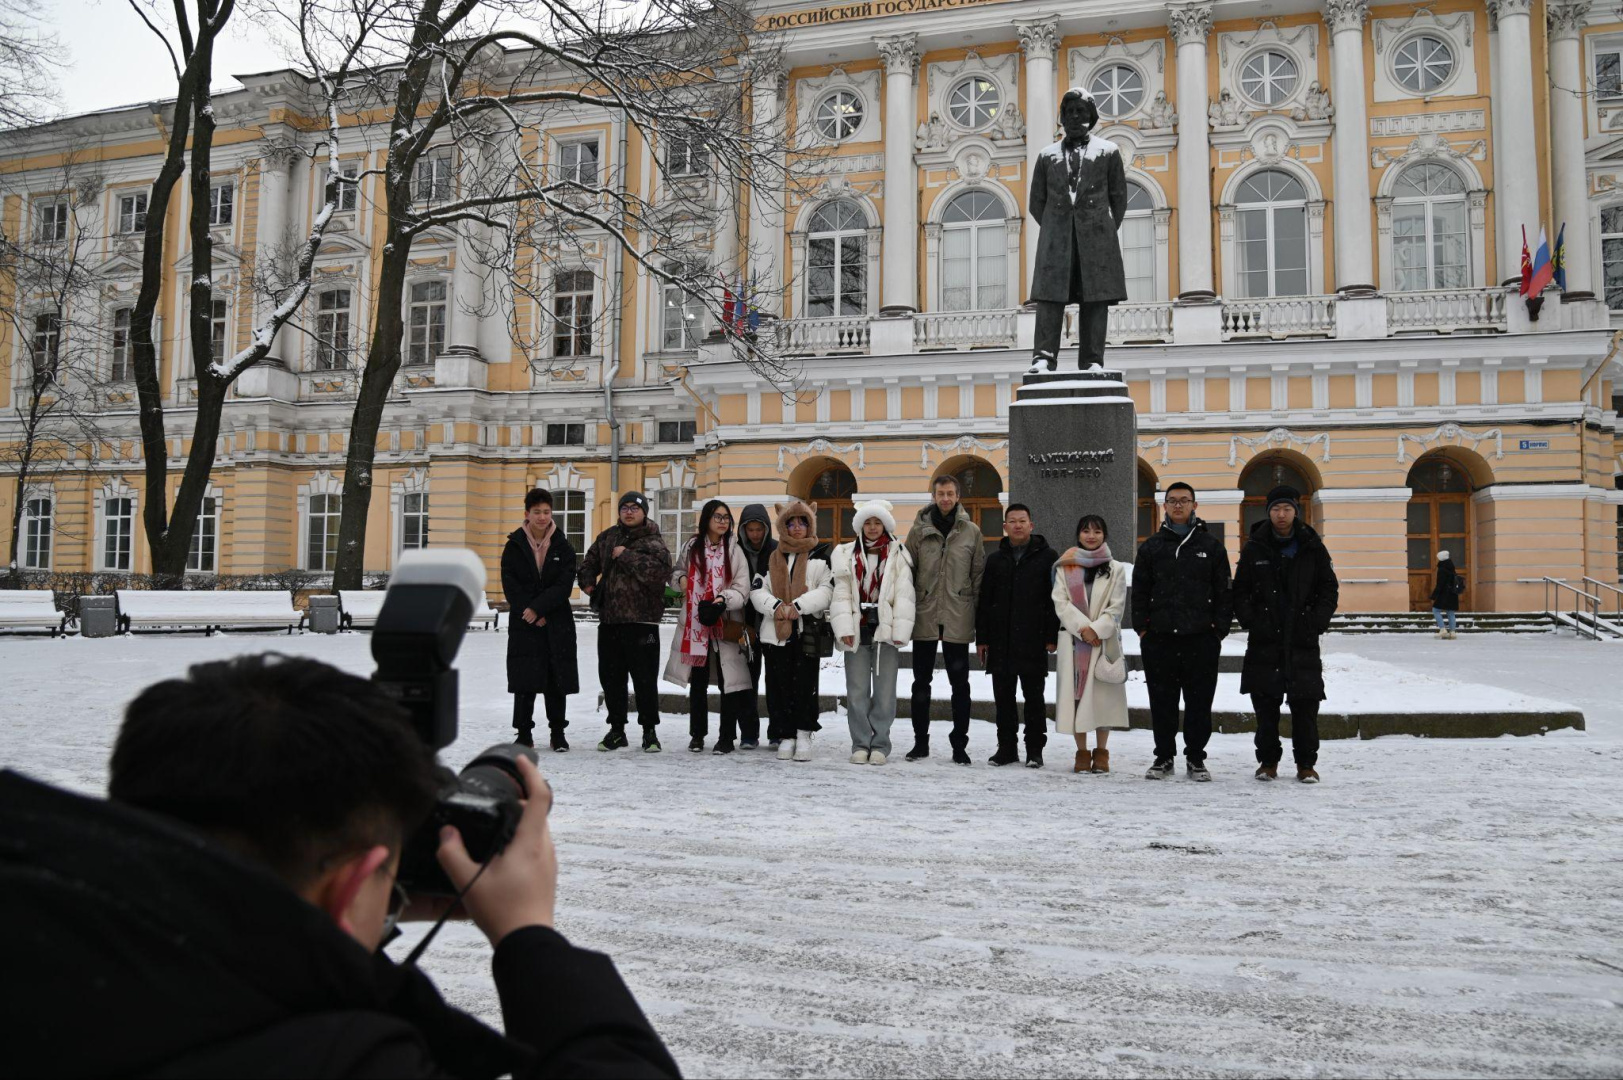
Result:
<point x="221" y="913"/>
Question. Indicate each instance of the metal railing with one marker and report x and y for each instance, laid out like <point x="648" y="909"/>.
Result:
<point x="1581" y="598"/>
<point x="1445" y="310"/>
<point x="819" y="337"/>
<point x="964" y="329"/>
<point x="1279" y="317"/>
<point x="1617" y="595"/>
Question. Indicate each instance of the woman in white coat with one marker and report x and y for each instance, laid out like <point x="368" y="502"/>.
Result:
<point x="793" y="594"/>
<point x="1090" y="594"/>
<point x="714" y="577"/>
<point x="872" y="614"/>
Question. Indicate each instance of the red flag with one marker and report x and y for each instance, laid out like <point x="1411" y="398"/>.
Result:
<point x="1527" y="264"/>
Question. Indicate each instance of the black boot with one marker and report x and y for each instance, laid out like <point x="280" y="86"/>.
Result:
<point x="525" y="737"/>
<point x="559" y="743"/>
<point x="1005" y="755"/>
<point x="960" y="756"/>
<point x="921" y="748"/>
<point x="695" y="744"/>
<point x="615" y="739"/>
<point x="1034" y="759"/>
<point x="650" y="741"/>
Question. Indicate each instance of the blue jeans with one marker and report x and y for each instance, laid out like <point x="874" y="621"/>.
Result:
<point x="870" y="695"/>
<point x="1439" y="614"/>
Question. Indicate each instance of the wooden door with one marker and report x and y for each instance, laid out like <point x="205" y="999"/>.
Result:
<point x="1439" y="521"/>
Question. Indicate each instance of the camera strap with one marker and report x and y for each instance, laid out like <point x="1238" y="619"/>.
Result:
<point x="428" y="938"/>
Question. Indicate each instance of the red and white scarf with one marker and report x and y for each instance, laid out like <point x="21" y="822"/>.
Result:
<point x="707" y="577"/>
<point x="870" y="568"/>
<point x="1075" y="563"/>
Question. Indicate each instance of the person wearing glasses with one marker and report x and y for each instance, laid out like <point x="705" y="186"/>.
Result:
<point x="714" y="578"/>
<point x="1182" y="610"/>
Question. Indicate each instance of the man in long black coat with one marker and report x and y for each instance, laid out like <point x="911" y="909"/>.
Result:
<point x="1016" y="628"/>
<point x="1285" y="592"/>
<point x="541" y="623"/>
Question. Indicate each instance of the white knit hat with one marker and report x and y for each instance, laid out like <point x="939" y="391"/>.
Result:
<point x="1442" y="556"/>
<point x="874" y="508"/>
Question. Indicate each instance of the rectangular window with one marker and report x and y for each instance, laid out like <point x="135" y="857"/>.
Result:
<point x="217" y="312"/>
<point x="348" y="193"/>
<point x="684" y="156"/>
<point x="566" y="434"/>
<point x="414" y="520"/>
<point x="132" y="213"/>
<point x="118" y="525"/>
<point x="681" y="317"/>
<point x="47" y="349"/>
<point x="120" y="369"/>
<point x="37" y="534"/>
<point x="675" y="514"/>
<point x="332" y="329"/>
<point x="221" y="197"/>
<point x="433" y="179"/>
<point x="577" y="162"/>
<point x="1608" y="74"/>
<point x="569" y="511"/>
<point x="572" y="313"/>
<point x="1611" y="255"/>
<point x="51" y="220"/>
<point x="322" y="550"/>
<point x="427" y="322"/>
<point x="201" y="555"/>
<point x="681" y="431"/>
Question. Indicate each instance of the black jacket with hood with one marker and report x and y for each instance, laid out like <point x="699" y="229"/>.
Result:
<point x="1285" y="605"/>
<point x="756" y="557"/>
<point x="1181" y="583"/>
<point x="136" y="947"/>
<point x="1015" y="618"/>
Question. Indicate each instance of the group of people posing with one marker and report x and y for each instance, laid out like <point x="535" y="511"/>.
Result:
<point x="752" y="600"/>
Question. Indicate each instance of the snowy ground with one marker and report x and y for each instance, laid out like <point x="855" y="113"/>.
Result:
<point x="1434" y="907"/>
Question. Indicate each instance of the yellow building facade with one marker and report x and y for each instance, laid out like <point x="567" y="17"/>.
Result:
<point x="1324" y="203"/>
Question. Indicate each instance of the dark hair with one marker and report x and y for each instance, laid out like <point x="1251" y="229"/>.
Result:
<point x="535" y="497"/>
<point x="696" y="550"/>
<point x="944" y="478"/>
<point x="1091" y="519"/>
<point x="286" y="760"/>
<point x="1016" y="508"/>
<point x="1175" y="486"/>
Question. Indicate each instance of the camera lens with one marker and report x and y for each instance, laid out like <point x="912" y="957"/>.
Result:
<point x="495" y="772"/>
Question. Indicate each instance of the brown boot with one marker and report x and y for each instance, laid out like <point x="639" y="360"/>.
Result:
<point x="1307" y="775"/>
<point x="1268" y="772"/>
<point x="1101" y="761"/>
<point x="1084" y="761"/>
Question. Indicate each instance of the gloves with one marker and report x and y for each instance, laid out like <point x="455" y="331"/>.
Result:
<point x="710" y="612"/>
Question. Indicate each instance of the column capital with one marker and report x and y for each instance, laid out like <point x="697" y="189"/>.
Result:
<point x="766" y="69"/>
<point x="1567" y="18"/>
<point x="900" y="54"/>
<point x="1040" y="38"/>
<point x="1190" y="23"/>
<point x="1342" y="15"/>
<point x="1504" y="9"/>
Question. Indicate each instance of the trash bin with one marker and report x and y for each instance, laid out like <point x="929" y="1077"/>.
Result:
<point x="323" y="615"/>
<point x="98" y="616"/>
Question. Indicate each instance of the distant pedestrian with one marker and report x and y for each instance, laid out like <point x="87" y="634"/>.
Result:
<point x="714" y="578"/>
<point x="872" y="617"/>
<point x="793" y="595"/>
<point x="1181" y="610"/>
<point x="538" y="573"/>
<point x="1285" y="593"/>
<point x="949" y="556"/>
<point x="1089" y="596"/>
<point x="1016" y="630"/>
<point x="755" y="540"/>
<point x="624" y="572"/>
<point x="1445" y="596"/>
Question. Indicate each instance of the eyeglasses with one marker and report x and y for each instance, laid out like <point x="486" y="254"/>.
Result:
<point x="1180" y="502"/>
<point x="398" y="900"/>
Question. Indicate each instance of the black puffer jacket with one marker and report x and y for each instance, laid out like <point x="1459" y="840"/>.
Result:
<point x="540" y="659"/>
<point x="1286" y="605"/>
<point x="757" y="559"/>
<point x="1181" y="583"/>
<point x="1445" y="595"/>
<point x="630" y="589"/>
<point x="1015" y="617"/>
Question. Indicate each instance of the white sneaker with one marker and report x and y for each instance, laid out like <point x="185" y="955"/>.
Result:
<point x="786" y="749"/>
<point x="876" y="758"/>
<point x="859" y="757"/>
<point x="802" y="747"/>
<point x="1442" y="635"/>
<point x="1040" y="364"/>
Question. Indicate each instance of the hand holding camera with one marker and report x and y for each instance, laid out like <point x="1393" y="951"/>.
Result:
<point x="518" y="887"/>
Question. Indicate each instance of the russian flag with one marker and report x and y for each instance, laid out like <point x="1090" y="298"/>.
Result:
<point x="1543" y="268"/>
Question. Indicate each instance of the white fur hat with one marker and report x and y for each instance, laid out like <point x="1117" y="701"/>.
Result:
<point x="874" y="508"/>
<point x="1442" y="556"/>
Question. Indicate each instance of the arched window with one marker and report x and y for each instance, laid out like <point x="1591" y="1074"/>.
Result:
<point x="837" y="260"/>
<point x="1137" y="237"/>
<point x="1270" y="237"/>
<point x="838" y="116"/>
<point x="1431" y="246"/>
<point x="974" y="103"/>
<point x="833" y="490"/>
<point x="1268" y="77"/>
<point x="974" y="254"/>
<point x="1262" y="476"/>
<point x="1439" y="520"/>
<point x="1117" y="89"/>
<point x="979" y="486"/>
<point x="1611" y="254"/>
<point x="1423" y="64"/>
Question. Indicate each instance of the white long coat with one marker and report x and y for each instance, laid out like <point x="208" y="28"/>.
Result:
<point x="812" y="604"/>
<point x="896" y="601"/>
<point x="1103" y="705"/>
<point x="735" y="672"/>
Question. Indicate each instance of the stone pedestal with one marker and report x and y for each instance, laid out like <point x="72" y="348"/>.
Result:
<point x="323" y="615"/>
<point x="98" y="616"/>
<point x="1073" y="450"/>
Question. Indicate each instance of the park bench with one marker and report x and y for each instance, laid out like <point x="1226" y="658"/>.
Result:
<point x="208" y="611"/>
<point x="359" y="608"/>
<point x="31" y="609"/>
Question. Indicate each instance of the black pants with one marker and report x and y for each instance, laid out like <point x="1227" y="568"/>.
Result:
<point x="734" y="705"/>
<point x="1032" y="685"/>
<point x="1181" y="665"/>
<point x="749" y="709"/>
<point x="1304" y="729"/>
<point x="524" y="711"/>
<point x="957" y="657"/>
<point x="1093" y="321"/>
<point x="791" y="690"/>
<point x="629" y="649"/>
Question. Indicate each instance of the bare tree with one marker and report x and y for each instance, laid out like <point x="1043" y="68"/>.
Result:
<point x="470" y="88"/>
<point x="30" y="59"/>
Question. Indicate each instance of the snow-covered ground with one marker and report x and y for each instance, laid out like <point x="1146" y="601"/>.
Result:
<point x="1435" y="907"/>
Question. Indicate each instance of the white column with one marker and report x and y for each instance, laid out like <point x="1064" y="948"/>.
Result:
<point x="899" y="261"/>
<point x="1567" y="20"/>
<point x="1190" y="24"/>
<point x="1040" y="40"/>
<point x="766" y="192"/>
<point x="270" y="230"/>
<point x="1355" y="266"/>
<point x="1500" y="228"/>
<point x="467" y="296"/>
<point x="1517" y="181"/>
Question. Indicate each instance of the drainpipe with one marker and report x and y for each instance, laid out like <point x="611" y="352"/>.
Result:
<point x="611" y="368"/>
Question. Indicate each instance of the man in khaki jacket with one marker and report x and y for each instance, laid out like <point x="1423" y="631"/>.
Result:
<point x="948" y="557"/>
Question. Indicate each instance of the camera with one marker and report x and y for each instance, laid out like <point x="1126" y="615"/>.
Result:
<point x="432" y="593"/>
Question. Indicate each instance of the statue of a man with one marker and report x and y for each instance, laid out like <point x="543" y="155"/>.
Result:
<point x="1078" y="196"/>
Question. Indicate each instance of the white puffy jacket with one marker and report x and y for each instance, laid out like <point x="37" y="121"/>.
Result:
<point x="896" y="602"/>
<point x="813" y="604"/>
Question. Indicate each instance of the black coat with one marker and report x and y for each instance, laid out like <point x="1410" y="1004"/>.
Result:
<point x="758" y="565"/>
<point x="540" y="659"/>
<point x="1181" y="584"/>
<point x="1015" y="617"/>
<point x="134" y="946"/>
<point x="1445" y="594"/>
<point x="1286" y="606"/>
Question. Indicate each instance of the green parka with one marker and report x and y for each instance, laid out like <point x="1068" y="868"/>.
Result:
<point x="946" y="577"/>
